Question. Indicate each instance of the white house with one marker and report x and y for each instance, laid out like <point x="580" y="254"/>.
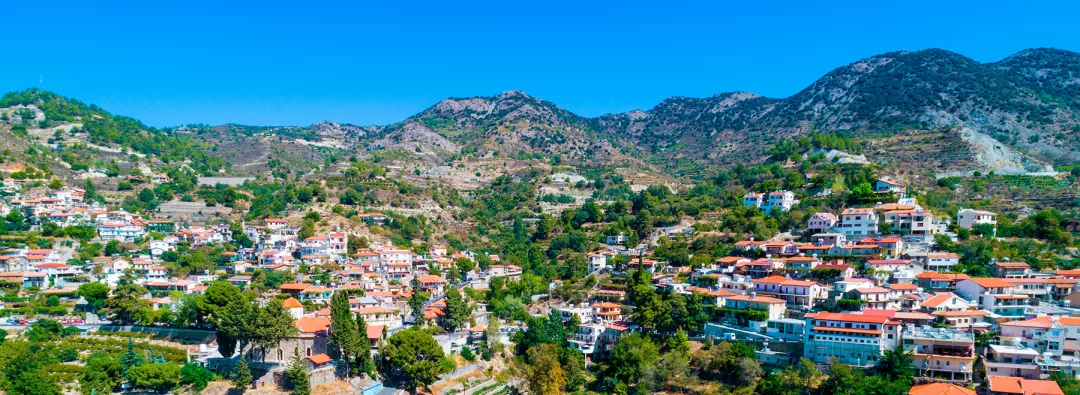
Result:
<point x="859" y="221"/>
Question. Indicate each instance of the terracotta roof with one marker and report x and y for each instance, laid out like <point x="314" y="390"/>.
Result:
<point x="991" y="282"/>
<point x="1019" y="385"/>
<point x="903" y="287"/>
<point x="294" y="286"/>
<point x="312" y="324"/>
<point x="940" y="389"/>
<point x="319" y="359"/>
<point x="291" y="303"/>
<point x="847" y="330"/>
<point x="1038" y="322"/>
<point x="938" y="299"/>
<point x="374" y="332"/>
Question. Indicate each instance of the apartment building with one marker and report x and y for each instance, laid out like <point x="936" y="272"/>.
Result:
<point x="994" y="295"/>
<point x="796" y="293"/>
<point x="940" y="352"/>
<point x="852" y="339"/>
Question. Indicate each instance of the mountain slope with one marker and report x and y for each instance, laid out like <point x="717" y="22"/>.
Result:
<point x="1028" y="101"/>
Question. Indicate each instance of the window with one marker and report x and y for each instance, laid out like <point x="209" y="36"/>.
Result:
<point x="309" y="351"/>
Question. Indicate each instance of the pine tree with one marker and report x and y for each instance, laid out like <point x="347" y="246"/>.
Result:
<point x="363" y="348"/>
<point x="242" y="376"/>
<point x="130" y="358"/>
<point x="298" y="375"/>
<point x="457" y="311"/>
<point x="344" y="334"/>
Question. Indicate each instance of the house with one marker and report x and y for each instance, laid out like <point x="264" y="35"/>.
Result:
<point x="773" y="307"/>
<point x="940" y="389"/>
<point x="606" y="312"/>
<point x="378" y="315"/>
<point x="821" y="222"/>
<point x="940" y="352"/>
<point x="968" y="320"/>
<point x="852" y="339"/>
<point x="779" y="200"/>
<point x="597" y="261"/>
<point x="967" y="218"/>
<point x="432" y="284"/>
<point x="828" y="239"/>
<point x="891" y="246"/>
<point x="859" y="221"/>
<point x="945" y="301"/>
<point x="795" y="293"/>
<point x="994" y="295"/>
<point x="1043" y="334"/>
<point x="941" y="261"/>
<point x="1012" y="360"/>
<point x="889" y="186"/>
<point x="874" y="298"/>
<point x="1002" y="385"/>
<point x="1009" y="269"/>
<point x="938" y="282"/>
<point x="916" y="221"/>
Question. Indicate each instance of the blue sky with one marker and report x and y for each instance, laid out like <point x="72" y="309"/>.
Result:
<point x="274" y="63"/>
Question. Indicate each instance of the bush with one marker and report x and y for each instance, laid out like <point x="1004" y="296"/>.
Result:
<point x="158" y="377"/>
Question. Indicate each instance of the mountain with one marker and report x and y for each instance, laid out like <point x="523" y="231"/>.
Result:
<point x="928" y="111"/>
<point x="1028" y="101"/>
<point x="513" y="124"/>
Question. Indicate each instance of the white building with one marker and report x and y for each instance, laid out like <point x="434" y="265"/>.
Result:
<point x="859" y="221"/>
<point x="968" y="218"/>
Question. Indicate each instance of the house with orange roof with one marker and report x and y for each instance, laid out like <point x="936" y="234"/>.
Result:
<point x="1004" y="385"/>
<point x="939" y="282"/>
<point x="874" y="298"/>
<point x="431" y="283"/>
<point x="914" y="221"/>
<point x="851" y="339"/>
<point x="940" y="389"/>
<point x="945" y="301"/>
<point x="606" y="312"/>
<point x="773" y="307"/>
<point x="994" y="295"/>
<point x="795" y="293"/>
<point x="941" y="261"/>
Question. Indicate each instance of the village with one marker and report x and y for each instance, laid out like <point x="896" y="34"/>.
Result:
<point x="848" y="295"/>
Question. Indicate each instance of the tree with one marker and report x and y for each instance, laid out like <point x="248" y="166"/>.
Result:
<point x="130" y="358"/>
<point x="414" y="354"/>
<point x="272" y="324"/>
<point x="842" y="380"/>
<point x="344" y="334"/>
<point x="545" y="373"/>
<point x="196" y="376"/>
<point x="95" y="294"/>
<point x="160" y="377"/>
<point x="895" y="364"/>
<point x="633" y="356"/>
<point x="364" y="363"/>
<point x="126" y="301"/>
<point x="102" y="373"/>
<point x="297" y="375"/>
<point x="242" y="375"/>
<point x="45" y="330"/>
<point x="214" y="300"/>
<point x="112" y="248"/>
<point x="417" y="300"/>
<point x="465" y="265"/>
<point x="457" y="311"/>
<point x="238" y="321"/>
